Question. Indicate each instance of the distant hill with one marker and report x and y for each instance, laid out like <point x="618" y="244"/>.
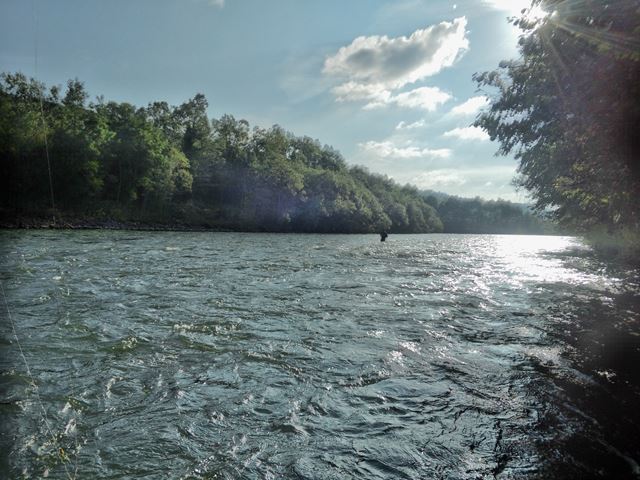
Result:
<point x="475" y="215"/>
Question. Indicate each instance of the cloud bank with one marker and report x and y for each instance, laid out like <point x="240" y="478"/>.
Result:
<point x="425" y="98"/>
<point x="374" y="68"/>
<point x="388" y="150"/>
<point x="395" y="62"/>
<point x="486" y="181"/>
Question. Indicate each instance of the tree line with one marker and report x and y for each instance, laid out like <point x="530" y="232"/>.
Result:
<point x="172" y="164"/>
<point x="62" y="154"/>
<point x="475" y="215"/>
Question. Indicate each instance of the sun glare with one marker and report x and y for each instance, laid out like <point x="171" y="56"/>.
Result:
<point x="535" y="13"/>
<point x="516" y="7"/>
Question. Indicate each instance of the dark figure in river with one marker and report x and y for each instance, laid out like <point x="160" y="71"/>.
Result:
<point x="383" y="236"/>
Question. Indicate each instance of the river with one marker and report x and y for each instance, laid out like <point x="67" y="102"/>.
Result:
<point x="236" y="355"/>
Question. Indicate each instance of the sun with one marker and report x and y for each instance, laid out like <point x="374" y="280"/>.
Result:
<point x="515" y="8"/>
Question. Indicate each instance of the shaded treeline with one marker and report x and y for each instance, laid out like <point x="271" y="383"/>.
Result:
<point x="174" y="165"/>
<point x="568" y="110"/>
<point x="474" y="215"/>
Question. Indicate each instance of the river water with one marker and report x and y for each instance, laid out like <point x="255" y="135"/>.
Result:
<point x="229" y="355"/>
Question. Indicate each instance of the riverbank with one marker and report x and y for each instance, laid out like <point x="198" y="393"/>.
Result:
<point x="191" y="219"/>
<point x="65" y="222"/>
<point x="60" y="223"/>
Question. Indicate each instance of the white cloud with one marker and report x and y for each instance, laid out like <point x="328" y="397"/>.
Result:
<point x="389" y="150"/>
<point x="355" y="92"/>
<point x="410" y="126"/>
<point x="395" y="62"/>
<point x="216" y="3"/>
<point x="374" y="68"/>
<point x="489" y="181"/>
<point x="468" y="133"/>
<point x="440" y="179"/>
<point x="425" y="98"/>
<point x="471" y="106"/>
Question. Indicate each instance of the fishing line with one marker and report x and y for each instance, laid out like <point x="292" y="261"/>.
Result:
<point x="36" y="390"/>
<point x="42" y="117"/>
<point x="51" y="191"/>
<point x="34" y="385"/>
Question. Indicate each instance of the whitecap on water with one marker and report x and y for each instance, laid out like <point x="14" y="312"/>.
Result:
<point x="395" y="357"/>
<point x="410" y="346"/>
<point x="548" y="356"/>
<point x="70" y="427"/>
<point x="608" y="374"/>
<point x="110" y="383"/>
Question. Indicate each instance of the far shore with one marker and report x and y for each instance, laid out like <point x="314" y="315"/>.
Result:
<point x="59" y="220"/>
<point x="58" y="223"/>
<point x="74" y="223"/>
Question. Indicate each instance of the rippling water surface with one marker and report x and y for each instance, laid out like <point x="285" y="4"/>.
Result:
<point x="224" y="355"/>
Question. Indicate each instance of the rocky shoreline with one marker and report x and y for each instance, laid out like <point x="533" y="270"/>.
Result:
<point x="62" y="223"/>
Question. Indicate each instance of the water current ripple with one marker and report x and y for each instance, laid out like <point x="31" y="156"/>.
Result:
<point x="228" y="355"/>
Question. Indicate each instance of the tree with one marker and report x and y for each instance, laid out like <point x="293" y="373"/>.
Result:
<point x="24" y="106"/>
<point x="139" y="163"/>
<point x="568" y="110"/>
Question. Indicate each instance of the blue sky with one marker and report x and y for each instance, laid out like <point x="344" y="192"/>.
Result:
<point x="386" y="82"/>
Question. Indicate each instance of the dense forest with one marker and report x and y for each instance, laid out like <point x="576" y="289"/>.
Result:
<point x="173" y="165"/>
<point x="70" y="158"/>
<point x="568" y="109"/>
<point x="475" y="215"/>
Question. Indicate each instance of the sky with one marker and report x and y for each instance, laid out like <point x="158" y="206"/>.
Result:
<point x="386" y="82"/>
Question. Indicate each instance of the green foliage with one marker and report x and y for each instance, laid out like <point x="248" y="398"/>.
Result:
<point x="23" y="166"/>
<point x="568" y="109"/>
<point x="624" y="244"/>
<point x="474" y="215"/>
<point x="405" y="208"/>
<point x="139" y="164"/>
<point x="172" y="164"/>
